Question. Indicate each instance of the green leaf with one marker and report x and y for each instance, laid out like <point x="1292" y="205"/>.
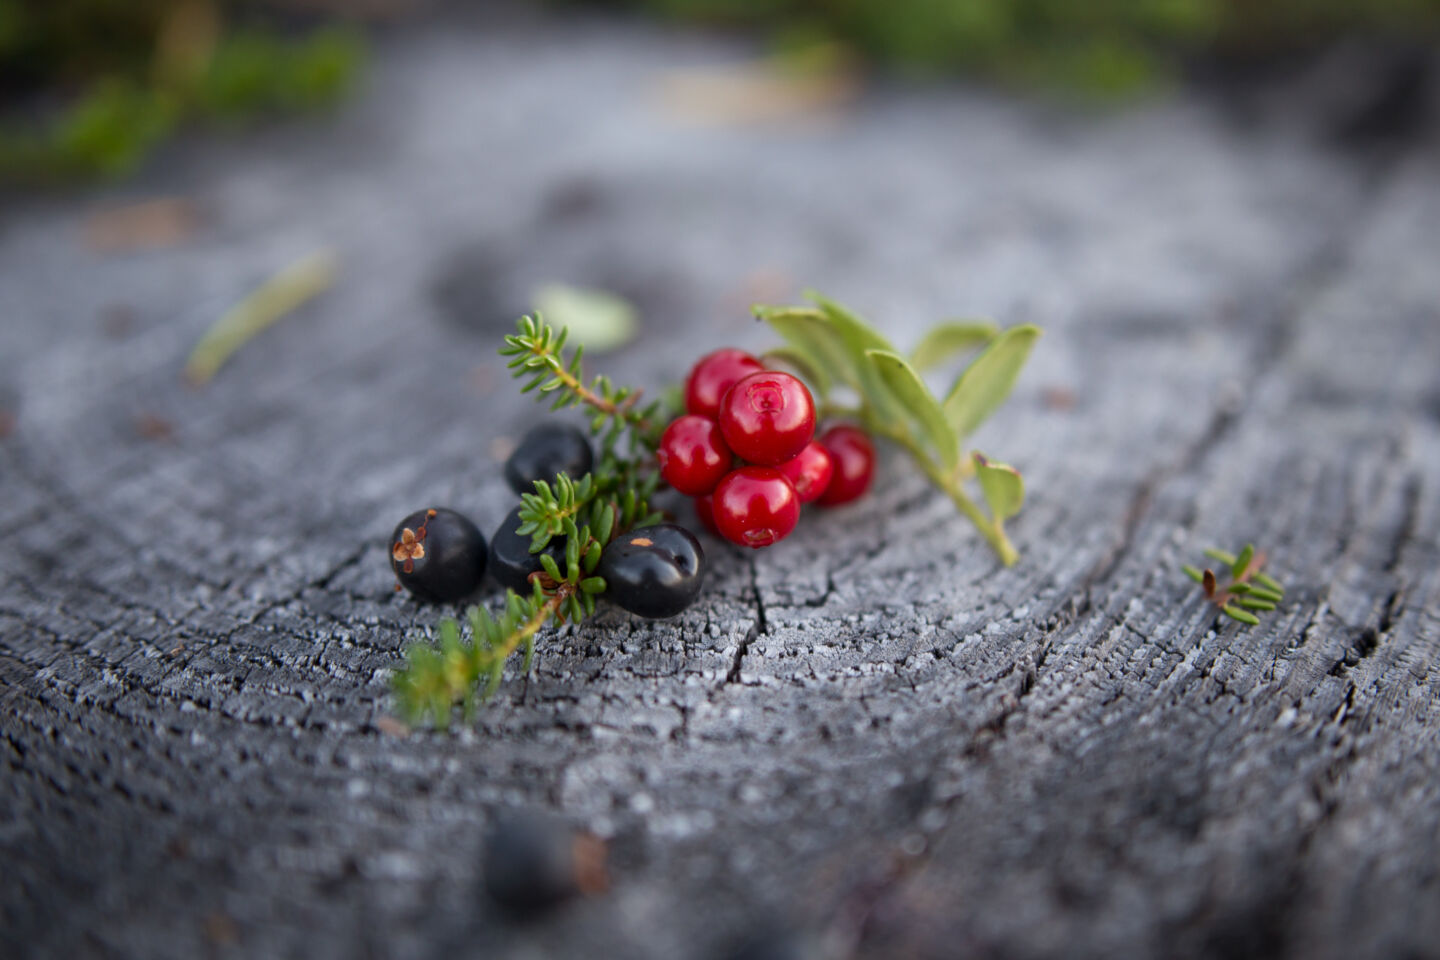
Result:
<point x="1221" y="556"/>
<point x="948" y="339"/>
<point x="1193" y="573"/>
<point x="1269" y="582"/>
<point x="858" y="335"/>
<point x="907" y="387"/>
<point x="599" y="319"/>
<point x="1260" y="593"/>
<point x="1237" y="569"/>
<point x="805" y="364"/>
<point x="858" y="339"/>
<point x="1002" y="485"/>
<point x="988" y="381"/>
<point x="1235" y="613"/>
<point x="1254" y="603"/>
<point x="278" y="297"/>
<point x="809" y="334"/>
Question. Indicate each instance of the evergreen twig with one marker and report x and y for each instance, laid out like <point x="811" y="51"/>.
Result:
<point x="1247" y="588"/>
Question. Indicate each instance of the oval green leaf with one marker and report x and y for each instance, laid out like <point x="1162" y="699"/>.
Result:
<point x="808" y="332"/>
<point x="804" y="364"/>
<point x="599" y="319"/>
<point x="988" y="381"/>
<point x="907" y="387"/>
<point x="1002" y="485"/>
<point x="949" y="339"/>
<point x="859" y="338"/>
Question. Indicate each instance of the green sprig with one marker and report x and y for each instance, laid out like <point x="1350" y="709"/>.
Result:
<point x="537" y="354"/>
<point x="1248" y="588"/>
<point x="588" y="512"/>
<point x="831" y="346"/>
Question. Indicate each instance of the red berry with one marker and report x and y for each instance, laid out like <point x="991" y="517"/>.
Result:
<point x="854" y="458"/>
<point x="756" y="506"/>
<point x="693" y="456"/>
<point x="714" y="374"/>
<point x="810" y="471"/>
<point x="705" y="510"/>
<point x="767" y="417"/>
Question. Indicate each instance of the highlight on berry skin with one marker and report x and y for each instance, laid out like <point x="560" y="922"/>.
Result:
<point x="767" y="417"/>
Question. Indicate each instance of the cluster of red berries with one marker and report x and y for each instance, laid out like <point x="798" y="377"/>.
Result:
<point x="746" y="450"/>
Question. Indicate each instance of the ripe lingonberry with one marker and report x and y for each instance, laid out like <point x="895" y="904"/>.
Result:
<point x="693" y="455"/>
<point x="854" y="457"/>
<point x="653" y="571"/>
<point x="511" y="561"/>
<point x="810" y="471"/>
<point x="756" y="506"/>
<point x="714" y="374"/>
<point x="438" y="555"/>
<point x="546" y="452"/>
<point x="767" y="417"/>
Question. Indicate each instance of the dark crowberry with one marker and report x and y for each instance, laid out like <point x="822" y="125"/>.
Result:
<point x="756" y="506"/>
<point x="546" y="452"/>
<point x="438" y="555"/>
<point x="653" y="571"/>
<point x="511" y="561"/>
<point x="693" y="456"/>
<point x="767" y="417"/>
<point x="714" y="374"/>
<point x="854" y="457"/>
<point x="810" y="471"/>
<point x="533" y="862"/>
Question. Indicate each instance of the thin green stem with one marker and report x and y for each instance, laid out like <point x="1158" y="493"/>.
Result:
<point x="989" y="529"/>
<point x="951" y="483"/>
<point x="623" y="411"/>
<point x="530" y="627"/>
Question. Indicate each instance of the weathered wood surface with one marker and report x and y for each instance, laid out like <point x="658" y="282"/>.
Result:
<point x="1072" y="756"/>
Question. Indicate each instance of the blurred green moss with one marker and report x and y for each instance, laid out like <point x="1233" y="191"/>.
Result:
<point x="106" y="81"/>
<point x="1093" y="48"/>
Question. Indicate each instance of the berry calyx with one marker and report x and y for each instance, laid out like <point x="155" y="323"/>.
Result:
<point x="545" y="452"/>
<point x="438" y="555"/>
<point x="810" y="471"/>
<point x="653" y="571"/>
<point x="767" y="417"/>
<point x="713" y="375"/>
<point x="756" y="506"/>
<point x="693" y="456"/>
<point x="511" y="562"/>
<point x="854" y="457"/>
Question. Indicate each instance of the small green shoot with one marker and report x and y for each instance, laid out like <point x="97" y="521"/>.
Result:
<point x="1247" y="589"/>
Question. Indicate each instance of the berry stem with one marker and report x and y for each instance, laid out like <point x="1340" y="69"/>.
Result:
<point x="990" y="529"/>
<point x="623" y="411"/>
<point x="951" y="483"/>
<point x="529" y="628"/>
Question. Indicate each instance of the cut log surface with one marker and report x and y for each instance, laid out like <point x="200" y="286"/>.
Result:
<point x="871" y="735"/>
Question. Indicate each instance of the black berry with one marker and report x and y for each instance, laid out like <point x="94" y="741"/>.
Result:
<point x="438" y="555"/>
<point x="533" y="862"/>
<point x="546" y="452"/>
<point x="511" y="561"/>
<point x="653" y="571"/>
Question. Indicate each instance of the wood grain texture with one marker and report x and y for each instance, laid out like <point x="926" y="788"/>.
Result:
<point x="872" y="735"/>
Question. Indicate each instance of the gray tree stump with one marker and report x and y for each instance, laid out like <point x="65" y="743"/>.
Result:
<point x="871" y="734"/>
